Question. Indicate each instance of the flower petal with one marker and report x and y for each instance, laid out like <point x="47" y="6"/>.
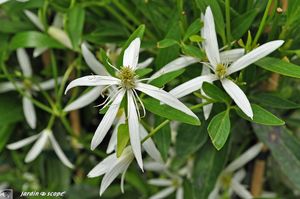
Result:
<point x="34" y="19"/>
<point x="164" y="97"/>
<point x="230" y="56"/>
<point x="175" y="65"/>
<point x="120" y="166"/>
<point x="131" y="54"/>
<point x="92" y="62"/>
<point x="60" y="35"/>
<point x="210" y="38"/>
<point x="239" y="175"/>
<point x="254" y="56"/>
<point x="59" y="152"/>
<point x="84" y="99"/>
<point x="6" y="86"/>
<point x="160" y="182"/>
<point x="240" y="190"/>
<point x="145" y="63"/>
<point x="29" y="112"/>
<point x="179" y="193"/>
<point x="214" y="194"/>
<point x="133" y="124"/>
<point x="24" y="62"/>
<point x="38" y="146"/>
<point x="246" y="157"/>
<point x="207" y="108"/>
<point x="22" y="143"/>
<point x="154" y="166"/>
<point x="38" y="51"/>
<point x="107" y="120"/>
<point x="93" y="80"/>
<point x="164" y="193"/>
<point x="238" y="96"/>
<point x="191" y="85"/>
<point x="47" y="85"/>
<point x="149" y="145"/>
<point x="103" y="166"/>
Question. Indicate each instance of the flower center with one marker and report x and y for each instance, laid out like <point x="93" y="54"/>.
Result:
<point x="127" y="77"/>
<point x="221" y="70"/>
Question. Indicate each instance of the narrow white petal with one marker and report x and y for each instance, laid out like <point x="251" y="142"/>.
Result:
<point x="160" y="182"/>
<point x="244" y="158"/>
<point x="254" y="56"/>
<point x="107" y="120"/>
<point x="207" y="108"/>
<point x="230" y="56"/>
<point x="24" y="62"/>
<point x="149" y="145"/>
<point x="6" y="86"/>
<point x="164" y="97"/>
<point x="60" y="35"/>
<point x="37" y="147"/>
<point x="84" y="99"/>
<point x="239" y="175"/>
<point x="3" y="1"/>
<point x="154" y="166"/>
<point x="210" y="38"/>
<point x="59" y="152"/>
<point x="133" y="124"/>
<point x="34" y="19"/>
<point x="145" y="63"/>
<point x="179" y="193"/>
<point x="120" y="166"/>
<point x="113" y="139"/>
<point x="29" y="112"/>
<point x="103" y="166"/>
<point x="238" y="96"/>
<point x="240" y="190"/>
<point x="58" y="20"/>
<point x="92" y="62"/>
<point x="164" y="193"/>
<point x="175" y="65"/>
<point x="131" y="54"/>
<point x="122" y="180"/>
<point x="47" y="85"/>
<point x="191" y="85"/>
<point x="38" y="51"/>
<point x="22" y="143"/>
<point x="93" y="80"/>
<point x="214" y="194"/>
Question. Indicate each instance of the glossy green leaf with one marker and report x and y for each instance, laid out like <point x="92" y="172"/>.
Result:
<point x="274" y="101"/>
<point x="162" y="138"/>
<point x="196" y="38"/>
<point x="166" y="78"/>
<point x="193" y="29"/>
<point x="12" y="108"/>
<point x="278" y="66"/>
<point x="168" y="112"/>
<point x="5" y="132"/>
<point x="33" y="39"/>
<point x="166" y="43"/>
<point x="261" y="116"/>
<point x="192" y="51"/>
<point x="219" y="129"/>
<point x="242" y="23"/>
<point x="142" y="72"/>
<point x="122" y="138"/>
<point x="215" y="92"/>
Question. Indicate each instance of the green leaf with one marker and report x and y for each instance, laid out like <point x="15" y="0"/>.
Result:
<point x="261" y="116"/>
<point x="242" y="23"/>
<point x="13" y="26"/>
<point x="193" y="29"/>
<point x="168" y="112"/>
<point x="209" y="163"/>
<point x="74" y="24"/>
<point x="279" y="66"/>
<point x="143" y="71"/>
<point x="285" y="150"/>
<point x="219" y="129"/>
<point x="33" y="39"/>
<point x="5" y="132"/>
<point x="162" y="138"/>
<point x="274" y="101"/>
<point x="215" y="93"/>
<point x="123" y="138"/>
<point x="166" y="43"/>
<point x="12" y="108"/>
<point x="192" y="51"/>
<point x="104" y="59"/>
<point x="196" y="38"/>
<point x="189" y="139"/>
<point x="166" y="78"/>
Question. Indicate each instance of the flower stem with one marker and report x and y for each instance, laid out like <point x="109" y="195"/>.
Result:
<point x="154" y="131"/>
<point x="262" y="23"/>
<point x="228" y="26"/>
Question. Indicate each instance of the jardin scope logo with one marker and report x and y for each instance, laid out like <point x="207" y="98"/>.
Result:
<point x="6" y="194"/>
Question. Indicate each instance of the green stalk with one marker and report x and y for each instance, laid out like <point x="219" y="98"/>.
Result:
<point x="262" y="23"/>
<point x="154" y="131"/>
<point x="228" y="26"/>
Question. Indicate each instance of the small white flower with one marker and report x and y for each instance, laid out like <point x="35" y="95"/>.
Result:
<point x="28" y="108"/>
<point x="172" y="185"/>
<point x="42" y="139"/>
<point x="232" y="176"/>
<point x="127" y="84"/>
<point x="221" y="67"/>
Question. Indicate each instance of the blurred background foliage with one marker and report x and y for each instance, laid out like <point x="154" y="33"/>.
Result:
<point x="171" y="26"/>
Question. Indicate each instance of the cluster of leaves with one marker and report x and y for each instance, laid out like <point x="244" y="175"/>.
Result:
<point x="171" y="28"/>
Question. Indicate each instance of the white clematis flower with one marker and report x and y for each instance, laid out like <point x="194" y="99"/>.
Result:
<point x="127" y="83"/>
<point x="28" y="108"/>
<point x="231" y="177"/>
<point x="42" y="139"/>
<point x="222" y="68"/>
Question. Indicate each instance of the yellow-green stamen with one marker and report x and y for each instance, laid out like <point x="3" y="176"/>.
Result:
<point x="127" y="77"/>
<point x="221" y="70"/>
